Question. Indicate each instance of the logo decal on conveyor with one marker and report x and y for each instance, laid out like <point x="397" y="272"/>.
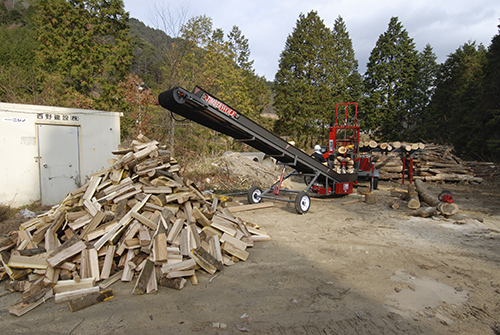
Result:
<point x="219" y="105"/>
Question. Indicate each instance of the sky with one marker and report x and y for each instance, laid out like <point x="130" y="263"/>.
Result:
<point x="444" y="24"/>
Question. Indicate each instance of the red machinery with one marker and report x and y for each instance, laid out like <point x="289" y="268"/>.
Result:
<point x="343" y="155"/>
<point x="343" y="167"/>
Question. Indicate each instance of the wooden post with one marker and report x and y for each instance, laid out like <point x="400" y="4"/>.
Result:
<point x="413" y="201"/>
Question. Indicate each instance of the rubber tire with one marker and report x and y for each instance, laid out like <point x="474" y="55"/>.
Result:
<point x="302" y="203"/>
<point x="375" y="183"/>
<point x="254" y="194"/>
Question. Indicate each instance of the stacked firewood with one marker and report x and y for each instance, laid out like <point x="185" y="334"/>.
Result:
<point x="137" y="221"/>
<point x="438" y="163"/>
<point x="431" y="162"/>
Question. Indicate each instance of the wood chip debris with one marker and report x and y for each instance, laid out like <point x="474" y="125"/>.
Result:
<point x="138" y="221"/>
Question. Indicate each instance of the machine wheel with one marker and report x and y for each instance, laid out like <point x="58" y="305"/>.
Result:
<point x="374" y="183"/>
<point x="302" y="203"/>
<point x="254" y="194"/>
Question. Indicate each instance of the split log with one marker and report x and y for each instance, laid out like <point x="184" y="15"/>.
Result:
<point x="143" y="279"/>
<point x="175" y="283"/>
<point x="22" y="307"/>
<point x="89" y="300"/>
<point x="67" y="250"/>
<point x="71" y="295"/>
<point x="370" y="198"/>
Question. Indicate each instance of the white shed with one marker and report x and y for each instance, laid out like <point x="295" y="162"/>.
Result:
<point x="46" y="152"/>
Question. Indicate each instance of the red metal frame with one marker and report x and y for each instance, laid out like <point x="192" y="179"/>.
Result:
<point x="354" y="139"/>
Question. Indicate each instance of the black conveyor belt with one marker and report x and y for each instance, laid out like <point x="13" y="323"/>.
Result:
<point x="203" y="108"/>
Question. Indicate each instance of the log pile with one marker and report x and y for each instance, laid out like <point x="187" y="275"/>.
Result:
<point x="137" y="221"/>
<point x="438" y="163"/>
<point x="431" y="162"/>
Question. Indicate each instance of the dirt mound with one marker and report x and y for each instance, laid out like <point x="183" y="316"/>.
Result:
<point x="231" y="171"/>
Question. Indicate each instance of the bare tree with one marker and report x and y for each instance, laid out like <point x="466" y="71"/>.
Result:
<point x="170" y="22"/>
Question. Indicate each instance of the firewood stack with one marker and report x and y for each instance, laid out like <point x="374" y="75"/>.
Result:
<point x="137" y="221"/>
<point x="438" y="163"/>
<point x="431" y="162"/>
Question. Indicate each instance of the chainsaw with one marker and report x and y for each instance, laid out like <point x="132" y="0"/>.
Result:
<point x="446" y="196"/>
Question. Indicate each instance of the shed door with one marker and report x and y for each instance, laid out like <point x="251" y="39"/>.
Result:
<point x="59" y="161"/>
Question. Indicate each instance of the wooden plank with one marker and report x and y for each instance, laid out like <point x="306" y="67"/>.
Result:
<point x="25" y="238"/>
<point x="234" y="241"/>
<point x="153" y="283"/>
<point x="62" y="297"/>
<point x="143" y="279"/>
<point x="72" y="285"/>
<point x="128" y="273"/>
<point x="96" y="220"/>
<point x="89" y="192"/>
<point x="235" y="251"/>
<point x="27" y="262"/>
<point x="103" y="229"/>
<point x="261" y="205"/>
<point x="123" y="183"/>
<point x="89" y="300"/>
<point x="108" y="261"/>
<point x="178" y="196"/>
<point x="215" y="249"/>
<point x="144" y="236"/>
<point x="200" y="217"/>
<point x="127" y="195"/>
<point x="157" y="189"/>
<point x="223" y="225"/>
<point x="91" y="206"/>
<point x="195" y="237"/>
<point x="129" y="234"/>
<point x="122" y="223"/>
<point x="160" y="248"/>
<point x="67" y="250"/>
<point x="111" y="280"/>
<point x="185" y="242"/>
<point x="180" y="273"/>
<point x="206" y="261"/>
<point x="94" y="264"/>
<point x="174" y="231"/>
<point x="144" y="220"/>
<point x="175" y="283"/>
<point x="22" y="308"/>
<point x="184" y="265"/>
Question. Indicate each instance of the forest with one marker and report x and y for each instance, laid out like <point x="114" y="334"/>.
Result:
<point x="90" y="54"/>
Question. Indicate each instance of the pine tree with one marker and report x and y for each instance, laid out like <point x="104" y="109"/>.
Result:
<point x="424" y="90"/>
<point x="452" y="116"/>
<point x="87" y="43"/>
<point x="346" y="80"/>
<point x="303" y="85"/>
<point x="239" y="45"/>
<point x="390" y="82"/>
<point x="490" y="127"/>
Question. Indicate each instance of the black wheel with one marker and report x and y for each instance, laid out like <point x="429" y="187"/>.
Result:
<point x="254" y="194"/>
<point x="374" y="183"/>
<point x="302" y="203"/>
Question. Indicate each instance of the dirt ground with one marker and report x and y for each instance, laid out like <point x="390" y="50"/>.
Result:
<point x="338" y="269"/>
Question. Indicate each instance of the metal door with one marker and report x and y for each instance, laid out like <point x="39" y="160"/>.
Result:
<point x="58" y="160"/>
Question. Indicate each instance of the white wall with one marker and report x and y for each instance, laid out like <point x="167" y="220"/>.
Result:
<point x="19" y="170"/>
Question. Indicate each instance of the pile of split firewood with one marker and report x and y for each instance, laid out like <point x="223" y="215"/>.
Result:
<point x="431" y="162"/>
<point x="136" y="221"/>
